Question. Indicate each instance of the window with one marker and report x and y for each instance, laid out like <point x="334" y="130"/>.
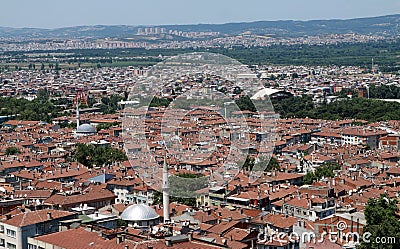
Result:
<point x="11" y="246"/>
<point x="11" y="233"/>
<point x="32" y="246"/>
<point x="2" y="242"/>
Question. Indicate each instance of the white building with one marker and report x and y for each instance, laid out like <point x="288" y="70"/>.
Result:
<point x="15" y="230"/>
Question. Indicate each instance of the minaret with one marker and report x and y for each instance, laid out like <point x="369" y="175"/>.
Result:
<point x="372" y="64"/>
<point x="77" y="116"/>
<point x="165" y="189"/>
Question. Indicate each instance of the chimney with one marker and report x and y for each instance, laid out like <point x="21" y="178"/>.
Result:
<point x="49" y="216"/>
<point x="168" y="242"/>
<point x="351" y="226"/>
<point x="190" y="236"/>
<point x="8" y="216"/>
<point x="120" y="238"/>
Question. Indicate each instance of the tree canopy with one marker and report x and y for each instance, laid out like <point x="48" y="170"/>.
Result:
<point x="90" y="155"/>
<point x="38" y="109"/>
<point x="384" y="92"/>
<point x="105" y="126"/>
<point x="381" y="223"/>
<point x="12" y="151"/>
<point x="325" y="170"/>
<point x="358" y="108"/>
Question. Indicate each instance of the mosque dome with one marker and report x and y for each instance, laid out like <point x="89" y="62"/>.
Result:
<point x="86" y="129"/>
<point x="139" y="212"/>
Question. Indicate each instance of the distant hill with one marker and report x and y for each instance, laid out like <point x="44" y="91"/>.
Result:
<point x="97" y="31"/>
<point x="383" y="25"/>
<point x="370" y="25"/>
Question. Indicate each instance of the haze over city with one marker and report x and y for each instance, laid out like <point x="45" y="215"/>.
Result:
<point x="47" y="14"/>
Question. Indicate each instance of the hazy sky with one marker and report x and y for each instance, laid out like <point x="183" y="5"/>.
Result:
<point x="62" y="13"/>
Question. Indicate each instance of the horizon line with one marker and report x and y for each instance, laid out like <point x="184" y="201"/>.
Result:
<point x="193" y="24"/>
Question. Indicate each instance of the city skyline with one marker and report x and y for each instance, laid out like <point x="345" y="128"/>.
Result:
<point x="44" y="14"/>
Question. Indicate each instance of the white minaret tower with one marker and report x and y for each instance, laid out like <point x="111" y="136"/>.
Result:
<point x="165" y="189"/>
<point x="77" y="115"/>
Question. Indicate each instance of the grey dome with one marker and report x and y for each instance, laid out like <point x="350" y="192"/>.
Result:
<point x="139" y="212"/>
<point x="85" y="128"/>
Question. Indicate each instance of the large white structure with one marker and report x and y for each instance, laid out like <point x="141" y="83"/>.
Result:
<point x="271" y="93"/>
<point x="83" y="129"/>
<point x="140" y="215"/>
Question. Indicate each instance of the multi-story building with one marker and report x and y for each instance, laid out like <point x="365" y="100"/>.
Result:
<point x="356" y="136"/>
<point x="306" y="208"/>
<point x="15" y="230"/>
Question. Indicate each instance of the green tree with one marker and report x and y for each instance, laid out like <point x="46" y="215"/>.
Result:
<point x="248" y="163"/>
<point x="381" y="222"/>
<point x="90" y="155"/>
<point x="12" y="151"/>
<point x="358" y="108"/>
<point x="160" y="102"/>
<point x="325" y="170"/>
<point x="105" y="126"/>
<point x="158" y="199"/>
<point x="245" y="103"/>
<point x="122" y="223"/>
<point x="110" y="105"/>
<point x="309" y="178"/>
<point x="262" y="164"/>
<point x="273" y="164"/>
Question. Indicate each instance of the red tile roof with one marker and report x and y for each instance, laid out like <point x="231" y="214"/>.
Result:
<point x="32" y="217"/>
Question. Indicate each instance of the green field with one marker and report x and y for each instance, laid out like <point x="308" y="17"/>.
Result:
<point x="385" y="54"/>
